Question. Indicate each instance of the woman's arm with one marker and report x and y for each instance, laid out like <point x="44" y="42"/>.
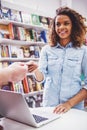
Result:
<point x="71" y="102"/>
<point x="38" y="75"/>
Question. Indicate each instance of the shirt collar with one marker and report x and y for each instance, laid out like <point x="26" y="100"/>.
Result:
<point x="67" y="46"/>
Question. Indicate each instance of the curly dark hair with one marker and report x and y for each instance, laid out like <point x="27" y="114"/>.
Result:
<point x="78" y="27"/>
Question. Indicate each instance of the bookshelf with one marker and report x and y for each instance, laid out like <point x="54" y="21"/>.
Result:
<point x="4" y="41"/>
<point x="11" y="40"/>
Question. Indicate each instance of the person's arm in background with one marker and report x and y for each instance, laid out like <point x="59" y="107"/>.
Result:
<point x="13" y="73"/>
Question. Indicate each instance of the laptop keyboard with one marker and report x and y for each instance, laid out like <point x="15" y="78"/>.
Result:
<point x="39" y="119"/>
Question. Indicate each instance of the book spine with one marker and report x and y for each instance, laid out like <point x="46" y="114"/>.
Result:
<point x="25" y="85"/>
<point x="11" y="32"/>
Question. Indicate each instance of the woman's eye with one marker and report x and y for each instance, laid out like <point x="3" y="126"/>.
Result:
<point x="67" y="23"/>
<point x="58" y="24"/>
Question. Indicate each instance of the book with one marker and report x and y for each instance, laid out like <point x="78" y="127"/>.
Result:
<point x="37" y="51"/>
<point x="15" y="15"/>
<point x="11" y="31"/>
<point x="31" y="83"/>
<point x="43" y="36"/>
<point x="4" y="51"/>
<point x="44" y="21"/>
<point x="13" y="51"/>
<point x="26" y="17"/>
<point x="4" y="31"/>
<point x="32" y="51"/>
<point x="38" y="86"/>
<point x="21" y="33"/>
<point x="20" y="53"/>
<point x="15" y="32"/>
<point x="26" y="52"/>
<point x="38" y="100"/>
<point x="5" y="13"/>
<point x="7" y="86"/>
<point x="18" y="87"/>
<point x="35" y="19"/>
<point x="33" y="35"/>
<point x="27" y="35"/>
<point x="25" y="85"/>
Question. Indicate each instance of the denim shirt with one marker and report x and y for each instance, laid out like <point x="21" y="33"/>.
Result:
<point x="62" y="68"/>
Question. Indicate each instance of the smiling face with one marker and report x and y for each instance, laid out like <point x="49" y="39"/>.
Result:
<point x="63" y="27"/>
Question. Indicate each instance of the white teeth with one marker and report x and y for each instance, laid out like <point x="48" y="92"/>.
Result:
<point x="62" y="32"/>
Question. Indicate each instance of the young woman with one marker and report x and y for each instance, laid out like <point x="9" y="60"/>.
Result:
<point x="63" y="61"/>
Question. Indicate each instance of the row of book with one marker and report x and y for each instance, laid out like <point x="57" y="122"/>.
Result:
<point x="35" y="100"/>
<point x="28" y="84"/>
<point x="25" y="17"/>
<point x="12" y="51"/>
<point x="15" y="32"/>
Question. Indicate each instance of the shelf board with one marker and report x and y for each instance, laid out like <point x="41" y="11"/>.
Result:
<point x="17" y="59"/>
<point x="33" y="93"/>
<point x="19" y="42"/>
<point x="30" y="26"/>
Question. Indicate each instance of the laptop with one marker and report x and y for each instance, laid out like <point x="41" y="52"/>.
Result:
<point x="14" y="106"/>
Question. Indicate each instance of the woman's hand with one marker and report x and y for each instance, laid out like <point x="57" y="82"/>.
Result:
<point x="62" y="108"/>
<point x="32" y="66"/>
